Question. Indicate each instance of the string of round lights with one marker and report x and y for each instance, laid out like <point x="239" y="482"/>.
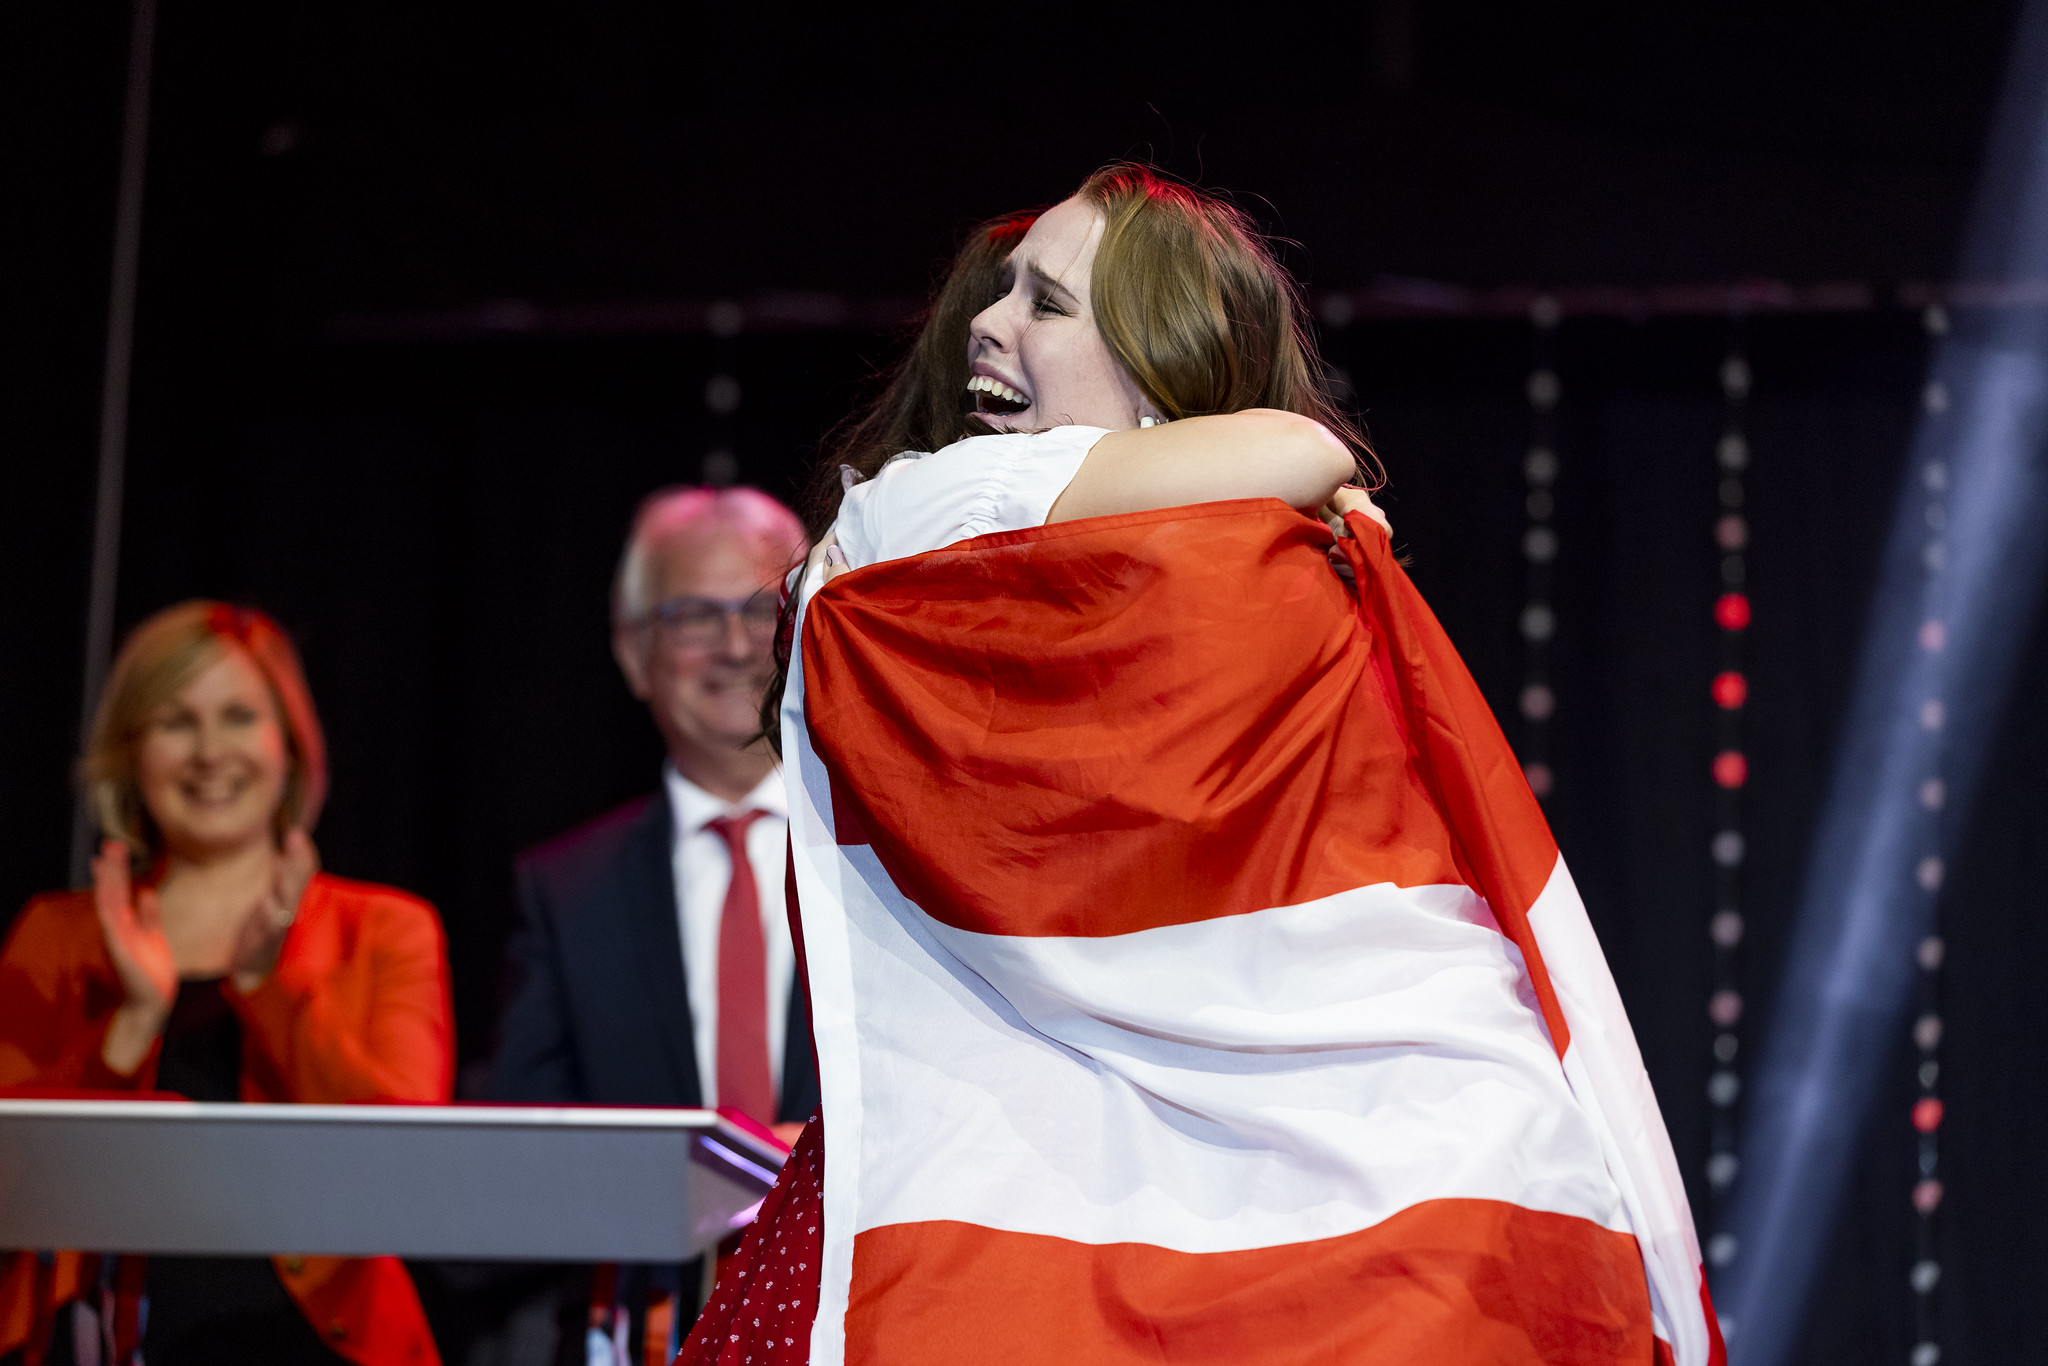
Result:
<point x="1729" y="690"/>
<point x="1538" y="621"/>
<point x="1927" y="1111"/>
<point x="721" y="468"/>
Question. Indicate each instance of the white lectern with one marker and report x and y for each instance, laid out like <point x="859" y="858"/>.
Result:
<point x="469" y="1182"/>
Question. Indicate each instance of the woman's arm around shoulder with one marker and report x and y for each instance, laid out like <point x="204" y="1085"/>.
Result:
<point x="1258" y="453"/>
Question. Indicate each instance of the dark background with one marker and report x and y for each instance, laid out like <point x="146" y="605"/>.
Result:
<point x="422" y="317"/>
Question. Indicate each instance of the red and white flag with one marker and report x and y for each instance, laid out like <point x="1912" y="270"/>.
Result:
<point x="1195" y="979"/>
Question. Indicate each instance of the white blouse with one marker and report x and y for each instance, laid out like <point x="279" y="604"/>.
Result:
<point x="920" y="502"/>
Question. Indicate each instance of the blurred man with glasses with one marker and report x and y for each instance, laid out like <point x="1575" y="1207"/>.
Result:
<point x="652" y="964"/>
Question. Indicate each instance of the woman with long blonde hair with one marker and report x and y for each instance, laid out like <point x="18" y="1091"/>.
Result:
<point x="212" y="958"/>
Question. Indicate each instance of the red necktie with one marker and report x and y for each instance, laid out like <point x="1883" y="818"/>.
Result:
<point x="744" y="1080"/>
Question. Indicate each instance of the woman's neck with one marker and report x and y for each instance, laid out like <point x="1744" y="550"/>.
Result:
<point x="207" y="894"/>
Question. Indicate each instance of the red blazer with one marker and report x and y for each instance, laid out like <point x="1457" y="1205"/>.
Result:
<point x="357" y="1010"/>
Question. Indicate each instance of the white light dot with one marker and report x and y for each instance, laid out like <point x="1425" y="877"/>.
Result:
<point x="1935" y="396"/>
<point x="1735" y="377"/>
<point x="1731" y="532"/>
<point x="1930" y="1073"/>
<point x="1721" y="1170"/>
<point x="1929" y="952"/>
<point x="1724" y="1008"/>
<point x="1926" y="1354"/>
<point x="1728" y="848"/>
<point x="725" y="318"/>
<point x="1927" y="1032"/>
<point x="1538" y="702"/>
<point x="1733" y="453"/>
<point x="1929" y="874"/>
<point x="1539" y="466"/>
<point x="722" y="394"/>
<point x="1725" y="1047"/>
<point x="1544" y="390"/>
<point x="1935" y="476"/>
<point x="1933" y="716"/>
<point x="1726" y="928"/>
<point x="1538" y="622"/>
<point x="1721" y="1249"/>
<point x="1935" y="319"/>
<point x="721" y="468"/>
<point x="1926" y="1275"/>
<point x="1545" y="312"/>
<point x="1933" y="635"/>
<point x="1539" y="544"/>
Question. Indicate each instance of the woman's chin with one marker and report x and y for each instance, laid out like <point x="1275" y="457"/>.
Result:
<point x="210" y="834"/>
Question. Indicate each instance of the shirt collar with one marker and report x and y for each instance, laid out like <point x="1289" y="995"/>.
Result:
<point x="694" y="807"/>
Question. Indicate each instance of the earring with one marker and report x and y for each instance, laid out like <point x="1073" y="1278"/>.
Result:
<point x="1150" y="421"/>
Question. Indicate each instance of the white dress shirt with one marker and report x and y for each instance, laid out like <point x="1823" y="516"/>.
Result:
<point x="703" y="871"/>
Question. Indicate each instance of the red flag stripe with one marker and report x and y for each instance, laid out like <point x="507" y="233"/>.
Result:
<point x="1449" y="1280"/>
<point x="1008" y="790"/>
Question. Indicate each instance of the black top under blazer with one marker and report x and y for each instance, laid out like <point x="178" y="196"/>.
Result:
<point x="598" y="1012"/>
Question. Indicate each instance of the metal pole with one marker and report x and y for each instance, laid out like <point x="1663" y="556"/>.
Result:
<point x="106" y="522"/>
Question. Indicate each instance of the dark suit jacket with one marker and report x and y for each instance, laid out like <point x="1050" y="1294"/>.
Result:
<point x="598" y="1011"/>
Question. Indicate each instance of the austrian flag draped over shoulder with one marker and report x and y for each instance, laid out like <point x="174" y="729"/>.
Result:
<point x="1195" y="979"/>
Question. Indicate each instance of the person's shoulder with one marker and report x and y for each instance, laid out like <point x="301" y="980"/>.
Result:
<point x="360" y="900"/>
<point x="58" y="923"/>
<point x="597" y="843"/>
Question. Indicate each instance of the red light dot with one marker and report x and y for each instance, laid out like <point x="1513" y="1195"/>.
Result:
<point x="1927" y="1196"/>
<point x="1927" y="1114"/>
<point x="1730" y="768"/>
<point x="1731" y="611"/>
<point x="1731" y="690"/>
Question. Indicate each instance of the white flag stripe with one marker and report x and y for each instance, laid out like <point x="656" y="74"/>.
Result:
<point x="1605" y="1067"/>
<point x="1396" y="1066"/>
<point x="818" y="867"/>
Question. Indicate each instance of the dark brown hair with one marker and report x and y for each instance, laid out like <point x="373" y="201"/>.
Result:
<point x="918" y="405"/>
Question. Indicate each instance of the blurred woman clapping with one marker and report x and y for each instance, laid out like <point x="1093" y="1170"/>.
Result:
<point x="213" y="959"/>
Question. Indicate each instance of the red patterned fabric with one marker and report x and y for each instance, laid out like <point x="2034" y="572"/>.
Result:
<point x="767" y="1295"/>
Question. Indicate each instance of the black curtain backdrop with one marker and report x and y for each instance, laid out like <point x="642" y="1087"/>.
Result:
<point x="436" y="523"/>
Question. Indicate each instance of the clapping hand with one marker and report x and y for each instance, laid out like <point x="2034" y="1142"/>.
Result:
<point x="262" y="934"/>
<point x="132" y="924"/>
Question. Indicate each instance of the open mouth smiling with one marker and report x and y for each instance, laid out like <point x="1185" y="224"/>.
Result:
<point x="993" y="398"/>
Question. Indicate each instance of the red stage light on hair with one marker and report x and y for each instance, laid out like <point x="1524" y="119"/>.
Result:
<point x="1730" y="768"/>
<point x="1731" y="611"/>
<point x="1927" y="1114"/>
<point x="1731" y="690"/>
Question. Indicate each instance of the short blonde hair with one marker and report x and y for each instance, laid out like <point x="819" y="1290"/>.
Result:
<point x="157" y="660"/>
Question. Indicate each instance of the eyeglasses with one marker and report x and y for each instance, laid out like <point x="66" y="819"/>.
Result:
<point x="694" y="623"/>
